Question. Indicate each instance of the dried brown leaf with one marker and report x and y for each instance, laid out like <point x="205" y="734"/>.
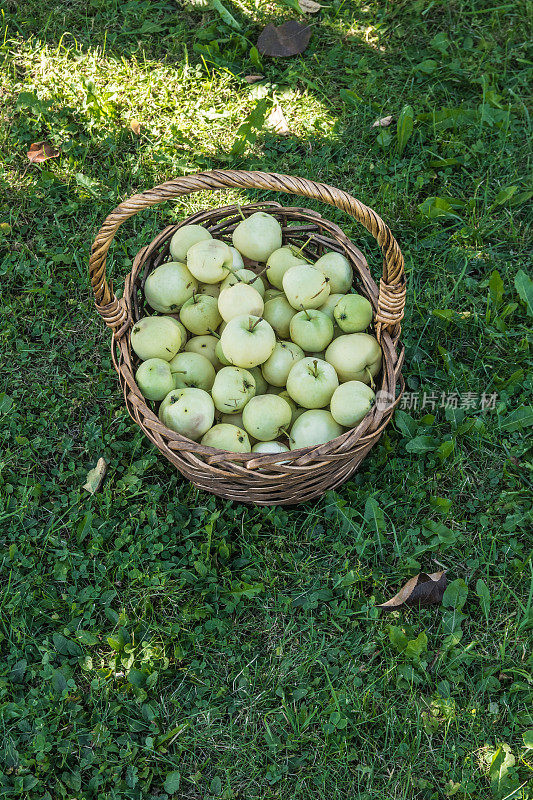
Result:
<point x="309" y="6"/>
<point x="289" y="39"/>
<point x="422" y="590"/>
<point x="135" y="126"/>
<point x="253" y="78"/>
<point x="95" y="477"/>
<point x="384" y="122"/>
<point x="42" y="151"/>
<point x="277" y="122"/>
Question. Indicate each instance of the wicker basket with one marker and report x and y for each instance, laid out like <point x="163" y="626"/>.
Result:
<point x="263" y="479"/>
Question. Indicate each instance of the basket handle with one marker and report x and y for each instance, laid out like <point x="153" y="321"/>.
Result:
<point x="391" y="298"/>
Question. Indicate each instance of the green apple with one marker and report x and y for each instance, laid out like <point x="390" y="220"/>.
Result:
<point x="212" y="289"/>
<point x="260" y="383"/>
<point x="305" y="287"/>
<point x="205" y="346"/>
<point x="232" y="419"/>
<point x="209" y="261"/>
<point x="311" y="383"/>
<point x="278" y="365"/>
<point x="247" y="341"/>
<point x="192" y="369"/>
<point x="227" y="437"/>
<point x="313" y="428"/>
<point x="295" y="410"/>
<point x="257" y="236"/>
<point x="232" y="389"/>
<point x="271" y="293"/>
<point x="278" y="312"/>
<point x="337" y="268"/>
<point x="311" y="329"/>
<point x="270" y="447"/>
<point x="168" y="286"/>
<point x="155" y="337"/>
<point x="200" y="314"/>
<point x="329" y="306"/>
<point x="279" y="262"/>
<point x="181" y="328"/>
<point x="351" y="402"/>
<point x="184" y="238"/>
<point x="244" y="276"/>
<point x="154" y="378"/>
<point x="266" y="417"/>
<point x="237" y="262"/>
<point x="238" y="300"/>
<point x="355" y="357"/>
<point x="221" y="356"/>
<point x="353" y="313"/>
<point x="189" y="412"/>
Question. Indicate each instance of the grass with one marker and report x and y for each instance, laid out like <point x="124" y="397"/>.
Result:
<point x="156" y="641"/>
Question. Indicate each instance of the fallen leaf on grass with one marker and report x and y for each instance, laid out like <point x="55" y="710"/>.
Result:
<point x="384" y="122"/>
<point x="303" y="6"/>
<point x="422" y="590"/>
<point x="309" y="6"/>
<point x="253" y="78"/>
<point x="289" y="39"/>
<point x="135" y="126"/>
<point x="95" y="477"/>
<point x="42" y="151"/>
<point x="277" y="122"/>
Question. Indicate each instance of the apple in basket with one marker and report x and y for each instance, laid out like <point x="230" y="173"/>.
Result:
<point x="279" y="262"/>
<point x="351" y="402"/>
<point x="337" y="269"/>
<point x="257" y="236"/>
<point x="244" y="276"/>
<point x="353" y="313"/>
<point x="156" y="337"/>
<point x="313" y="428"/>
<point x="227" y="437"/>
<point x="278" y="312"/>
<point x="190" y="412"/>
<point x="210" y="260"/>
<point x="192" y="369"/>
<point x="311" y="329"/>
<point x="154" y="378"/>
<point x="266" y="417"/>
<point x="247" y="341"/>
<point x="232" y="389"/>
<point x="305" y="287"/>
<point x="184" y="238"/>
<point x="311" y="383"/>
<point x="168" y="286"/>
<point x="239" y="299"/>
<point x="278" y="365"/>
<point x="355" y="357"/>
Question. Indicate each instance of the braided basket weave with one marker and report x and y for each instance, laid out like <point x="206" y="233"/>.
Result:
<point x="263" y="479"/>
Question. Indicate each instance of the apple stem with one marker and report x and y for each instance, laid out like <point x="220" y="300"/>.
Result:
<point x="372" y="383"/>
<point x="214" y="333"/>
<point x="195" y="296"/>
<point x="285" y="432"/>
<point x="315" y="363"/>
<point x="258" y="320"/>
<point x="305" y="311"/>
<point x="239" y="209"/>
<point x="298" y="251"/>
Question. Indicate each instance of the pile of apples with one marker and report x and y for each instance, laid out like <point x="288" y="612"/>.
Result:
<point x="255" y="362"/>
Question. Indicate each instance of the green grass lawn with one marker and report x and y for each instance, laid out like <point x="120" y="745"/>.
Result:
<point x="157" y="642"/>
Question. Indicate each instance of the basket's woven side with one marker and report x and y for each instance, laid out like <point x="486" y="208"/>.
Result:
<point x="391" y="299"/>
